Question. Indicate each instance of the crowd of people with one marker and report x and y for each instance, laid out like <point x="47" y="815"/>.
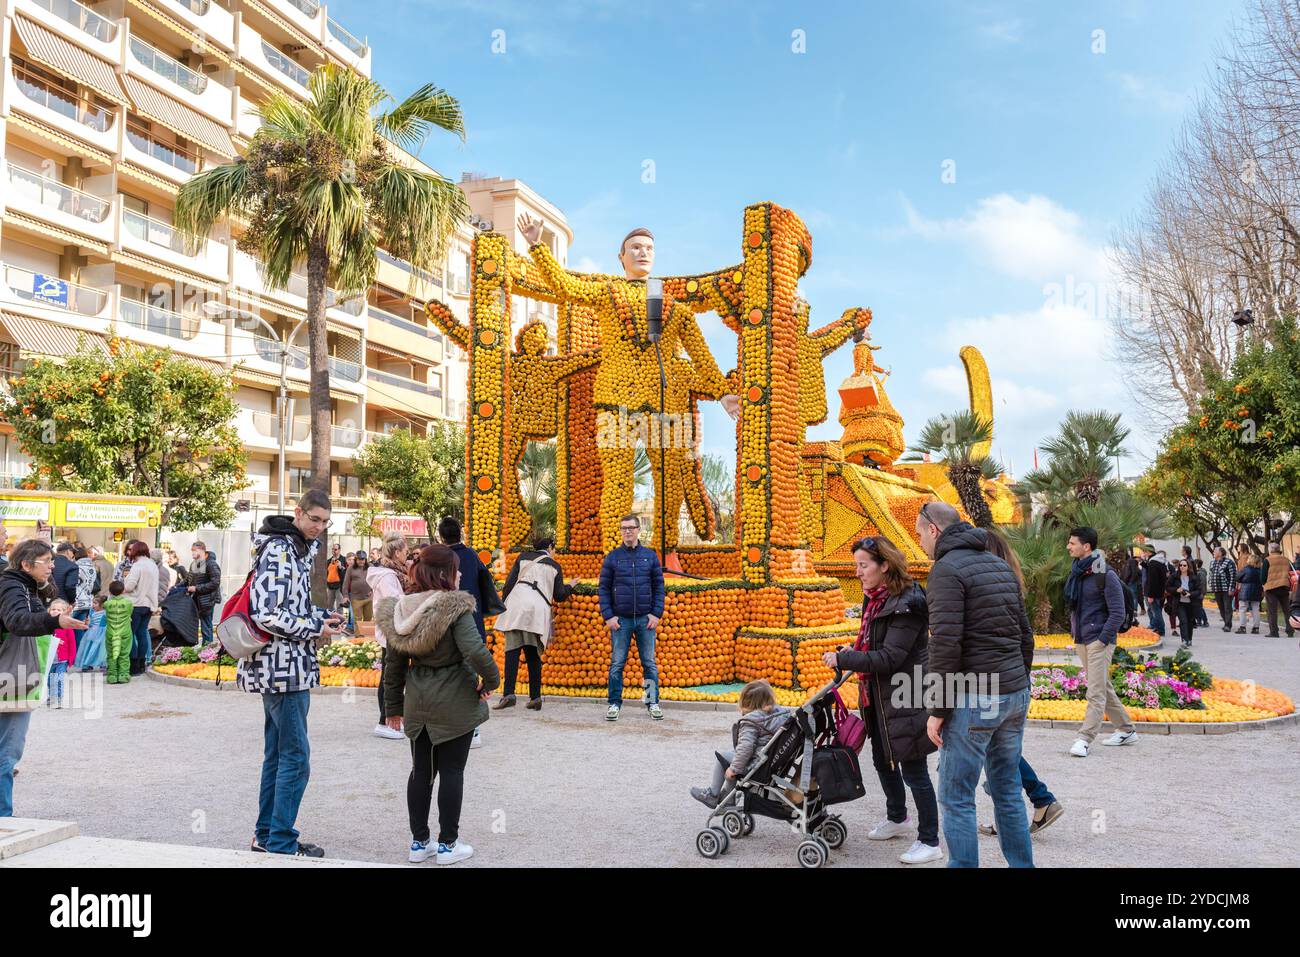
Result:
<point x="960" y="651"/>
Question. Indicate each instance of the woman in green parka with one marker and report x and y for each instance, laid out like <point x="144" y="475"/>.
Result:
<point x="438" y="675"/>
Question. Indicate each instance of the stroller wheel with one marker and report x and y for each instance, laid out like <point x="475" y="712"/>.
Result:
<point x="724" y="837"/>
<point x="749" y="825"/>
<point x="734" y="824"/>
<point x="834" y="833"/>
<point x="812" y="853"/>
<point x="708" y="843"/>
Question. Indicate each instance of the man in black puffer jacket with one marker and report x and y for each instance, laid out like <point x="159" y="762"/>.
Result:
<point x="204" y="586"/>
<point x="981" y="649"/>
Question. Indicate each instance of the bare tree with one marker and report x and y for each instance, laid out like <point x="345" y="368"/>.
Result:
<point x="1218" y="232"/>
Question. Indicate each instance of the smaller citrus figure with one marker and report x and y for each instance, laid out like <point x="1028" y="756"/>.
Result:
<point x="534" y="407"/>
<point x="117" y="634"/>
<point x="534" y="397"/>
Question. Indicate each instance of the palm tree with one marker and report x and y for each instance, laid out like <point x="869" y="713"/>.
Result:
<point x="720" y="486"/>
<point x="1082" y="455"/>
<point x="954" y="439"/>
<point x="320" y="183"/>
<point x="537" y="485"/>
<point x="1044" y="563"/>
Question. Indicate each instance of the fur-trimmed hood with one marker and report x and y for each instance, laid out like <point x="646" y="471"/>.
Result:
<point x="415" y="624"/>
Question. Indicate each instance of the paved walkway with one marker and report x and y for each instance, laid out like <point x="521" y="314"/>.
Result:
<point x="180" y="766"/>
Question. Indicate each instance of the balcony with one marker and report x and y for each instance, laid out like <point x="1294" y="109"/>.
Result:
<point x="269" y="351"/>
<point x="386" y="329"/>
<point x="263" y="430"/>
<point x="202" y="336"/>
<point x="399" y="274"/>
<point x="88" y="23"/>
<point x="402" y="382"/>
<point x="61" y="109"/>
<point x="282" y="63"/>
<point x="251" y="274"/>
<point x="160" y="240"/>
<point x="50" y="292"/>
<point x="347" y="439"/>
<point x="345" y="45"/>
<point x="188" y="86"/>
<point x="174" y="162"/>
<point x="348" y="371"/>
<point x="51" y="201"/>
<point x="213" y="21"/>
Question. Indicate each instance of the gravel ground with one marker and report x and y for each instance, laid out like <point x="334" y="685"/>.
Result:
<point x="563" y="787"/>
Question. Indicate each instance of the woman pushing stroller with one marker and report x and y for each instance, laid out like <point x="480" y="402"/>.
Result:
<point x="890" y="657"/>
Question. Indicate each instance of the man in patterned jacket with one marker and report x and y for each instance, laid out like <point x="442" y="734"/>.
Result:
<point x="286" y="669"/>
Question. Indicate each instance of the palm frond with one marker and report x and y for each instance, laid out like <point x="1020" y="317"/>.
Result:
<point x="212" y="195"/>
<point x="409" y="123"/>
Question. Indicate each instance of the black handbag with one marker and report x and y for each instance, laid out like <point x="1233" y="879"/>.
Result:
<point x="837" y="774"/>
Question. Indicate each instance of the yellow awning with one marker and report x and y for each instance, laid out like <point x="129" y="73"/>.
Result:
<point x="143" y="176"/>
<point x="245" y="374"/>
<point x="37" y="337"/>
<point x="174" y="273"/>
<point x="184" y="31"/>
<point x="49" y="48"/>
<point x="180" y="119"/>
<point x="57" y="137"/>
<point x="56" y="233"/>
<point x="285" y="23"/>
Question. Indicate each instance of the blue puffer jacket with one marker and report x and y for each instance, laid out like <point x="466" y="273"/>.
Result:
<point x="631" y="583"/>
<point x="1251" y="578"/>
<point x="1100" y="611"/>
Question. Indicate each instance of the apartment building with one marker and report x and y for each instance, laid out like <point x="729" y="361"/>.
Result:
<point x="106" y="109"/>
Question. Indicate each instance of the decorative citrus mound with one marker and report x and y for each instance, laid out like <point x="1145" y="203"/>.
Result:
<point x="1133" y="638"/>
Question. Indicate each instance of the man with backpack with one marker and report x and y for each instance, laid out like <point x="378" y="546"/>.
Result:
<point x="1095" y="597"/>
<point x="285" y="669"/>
<point x="335" y="569"/>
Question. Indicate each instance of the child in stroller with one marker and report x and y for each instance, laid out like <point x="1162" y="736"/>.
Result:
<point x="760" y="719"/>
<point x="794" y="776"/>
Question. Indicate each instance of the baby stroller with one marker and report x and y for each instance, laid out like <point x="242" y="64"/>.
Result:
<point x="794" y="778"/>
<point x="179" y="618"/>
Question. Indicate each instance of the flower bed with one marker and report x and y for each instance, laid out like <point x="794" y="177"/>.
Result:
<point x="330" y="677"/>
<point x="1136" y="637"/>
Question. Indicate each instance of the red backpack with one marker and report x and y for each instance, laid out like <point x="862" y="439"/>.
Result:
<point x="239" y="635"/>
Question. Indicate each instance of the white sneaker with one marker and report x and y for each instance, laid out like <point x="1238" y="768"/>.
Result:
<point x="920" y="853"/>
<point x="887" y="829"/>
<point x="612" y="713"/>
<point x="457" y="852"/>
<point x="384" y="731"/>
<point x="477" y="742"/>
<point x="1120" y="738"/>
<point x="421" y="851"/>
<point x="1079" y="749"/>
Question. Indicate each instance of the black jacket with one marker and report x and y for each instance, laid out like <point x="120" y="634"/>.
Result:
<point x="978" y="625"/>
<point x="476" y="581"/>
<point x="897" y="652"/>
<point x="206" y="583"/>
<point x="1157" y="574"/>
<point x="22" y="610"/>
<point x="65" y="578"/>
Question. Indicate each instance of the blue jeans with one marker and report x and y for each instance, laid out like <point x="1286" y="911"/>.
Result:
<point x="621" y="639"/>
<point x="1035" y="789"/>
<point x="984" y="732"/>
<point x="13" y="735"/>
<point x="141" y="643"/>
<point x="205" y="626"/>
<point x="54" y="684"/>
<point x="286" y="765"/>
<point x="1156" y="616"/>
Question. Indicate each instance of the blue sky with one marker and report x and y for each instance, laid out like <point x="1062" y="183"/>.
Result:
<point x="1053" y="131"/>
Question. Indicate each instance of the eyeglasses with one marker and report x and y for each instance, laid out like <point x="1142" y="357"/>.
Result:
<point x="924" y="516"/>
<point x="630" y="528"/>
<point x="326" y="522"/>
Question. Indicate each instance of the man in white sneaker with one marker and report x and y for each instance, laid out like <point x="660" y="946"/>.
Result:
<point x="631" y="603"/>
<point x="1095" y="597"/>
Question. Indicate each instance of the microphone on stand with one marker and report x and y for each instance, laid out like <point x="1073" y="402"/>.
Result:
<point x="654" y="308"/>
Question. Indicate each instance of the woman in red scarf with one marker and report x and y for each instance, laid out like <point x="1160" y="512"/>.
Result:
<point x="890" y="658"/>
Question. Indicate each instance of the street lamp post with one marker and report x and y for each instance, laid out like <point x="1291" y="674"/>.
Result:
<point x="250" y="322"/>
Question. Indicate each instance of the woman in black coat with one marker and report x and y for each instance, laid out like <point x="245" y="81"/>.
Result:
<point x="23" y="618"/>
<point x="891" y="646"/>
<point x="1184" y="591"/>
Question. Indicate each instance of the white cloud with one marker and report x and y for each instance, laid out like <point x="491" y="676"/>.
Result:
<point x="1003" y="31"/>
<point x="1147" y="91"/>
<point x="1032" y="238"/>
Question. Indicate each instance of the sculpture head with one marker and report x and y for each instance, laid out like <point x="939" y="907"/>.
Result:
<point x="637" y="253"/>
<point x="532" y="338"/>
